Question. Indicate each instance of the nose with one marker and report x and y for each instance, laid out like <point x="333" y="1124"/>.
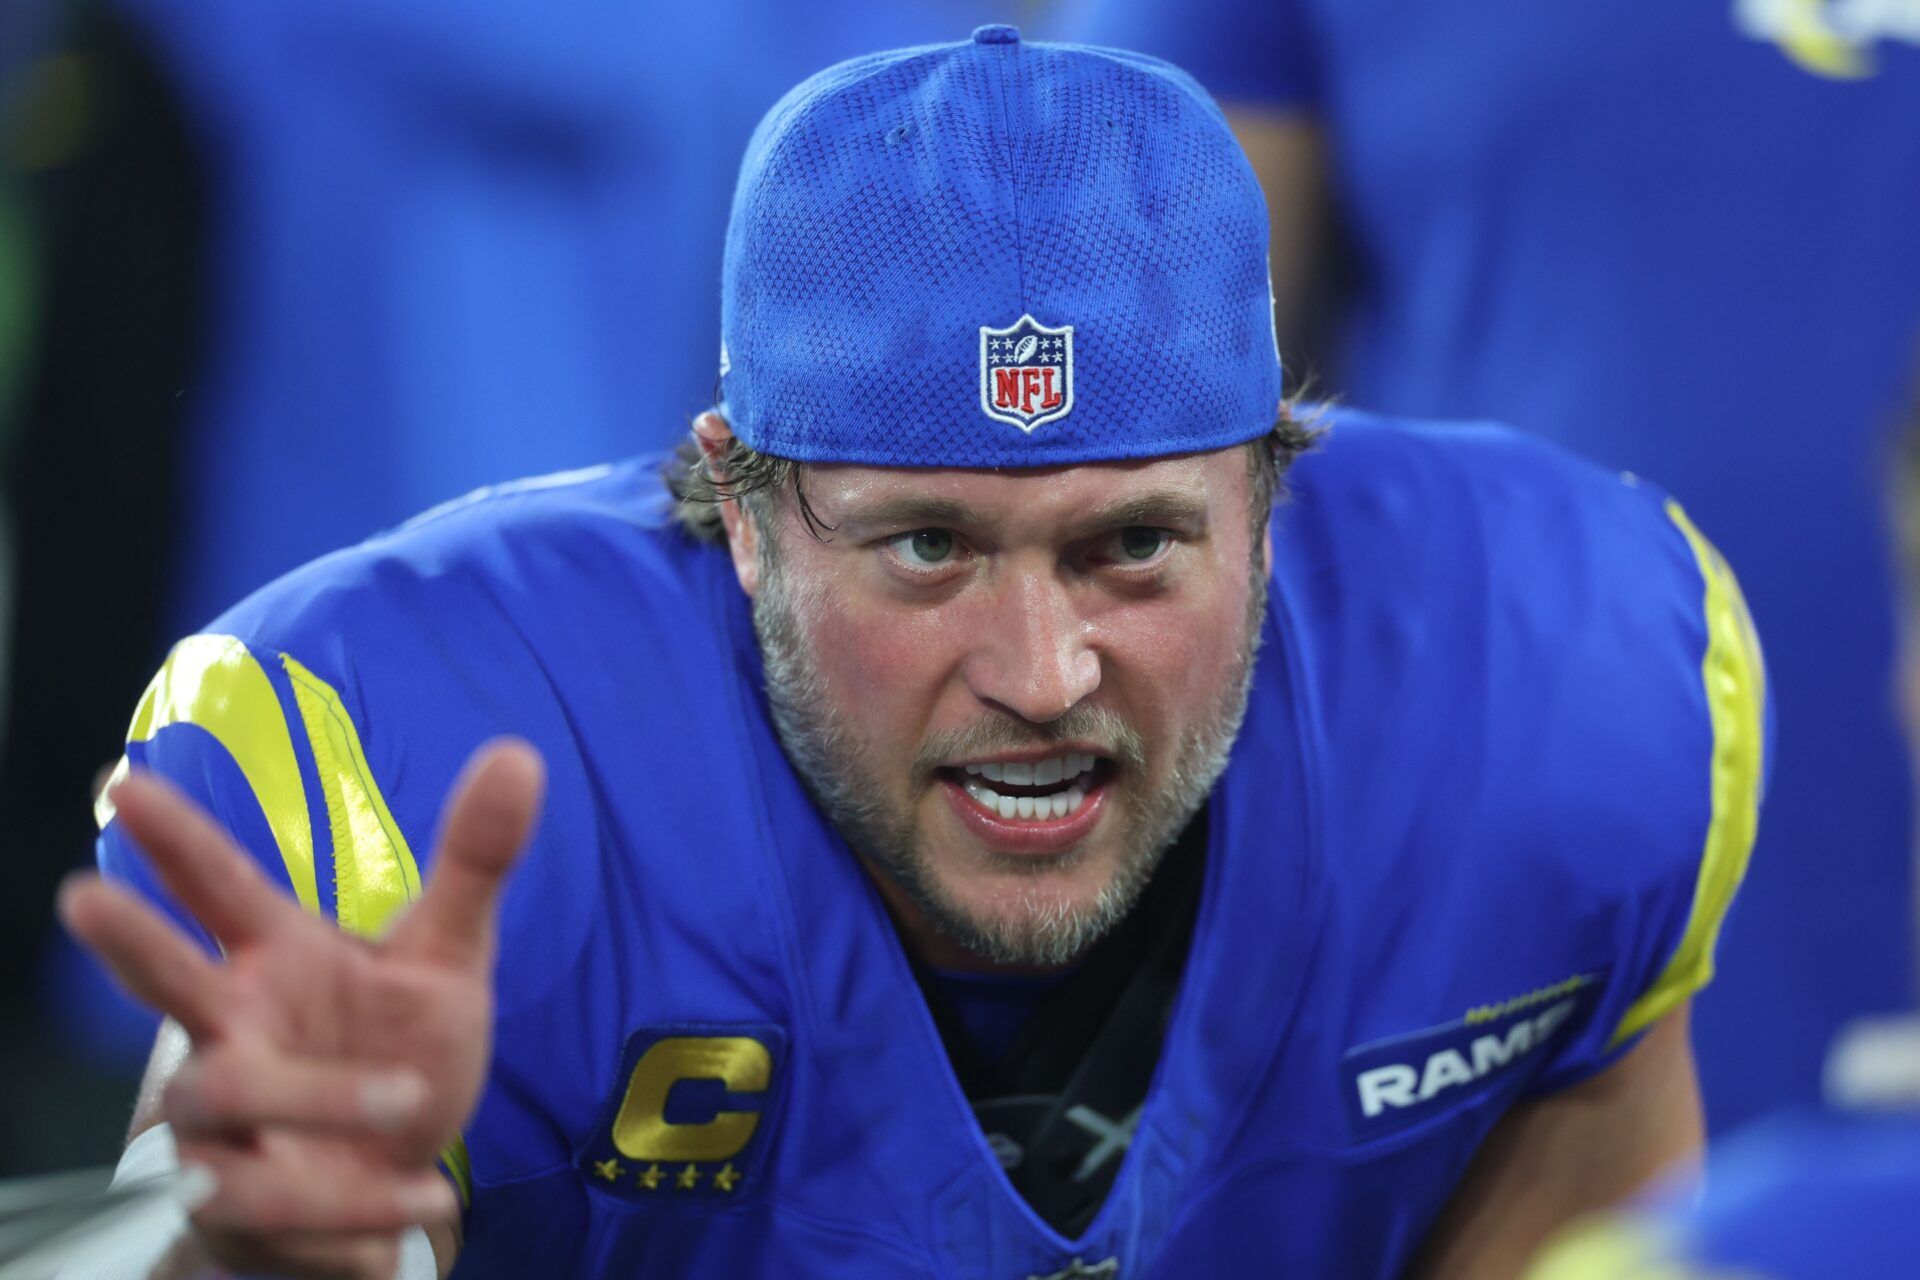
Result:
<point x="1032" y="655"/>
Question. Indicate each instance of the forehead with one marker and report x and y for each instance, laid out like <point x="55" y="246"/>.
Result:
<point x="1034" y="499"/>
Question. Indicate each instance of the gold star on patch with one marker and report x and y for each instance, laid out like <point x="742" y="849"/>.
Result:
<point x="727" y="1176"/>
<point x="650" y="1177"/>
<point x="688" y="1178"/>
<point x="610" y="1170"/>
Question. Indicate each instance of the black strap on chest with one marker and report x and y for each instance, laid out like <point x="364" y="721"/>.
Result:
<point x="1060" y="1110"/>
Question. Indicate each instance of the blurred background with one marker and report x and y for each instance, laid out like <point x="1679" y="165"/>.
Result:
<point x="276" y="275"/>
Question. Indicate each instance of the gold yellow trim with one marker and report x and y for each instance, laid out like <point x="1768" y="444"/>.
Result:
<point x="213" y="682"/>
<point x="454" y="1159"/>
<point x="374" y="872"/>
<point x="1807" y="36"/>
<point x="1540" y="995"/>
<point x="1735" y="679"/>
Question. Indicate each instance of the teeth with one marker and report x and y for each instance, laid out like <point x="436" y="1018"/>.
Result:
<point x="1032" y="808"/>
<point x="1043" y="773"/>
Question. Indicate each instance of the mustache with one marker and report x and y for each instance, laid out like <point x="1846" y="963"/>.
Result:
<point x="1106" y="731"/>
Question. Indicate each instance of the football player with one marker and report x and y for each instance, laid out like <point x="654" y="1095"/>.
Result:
<point x="983" y="837"/>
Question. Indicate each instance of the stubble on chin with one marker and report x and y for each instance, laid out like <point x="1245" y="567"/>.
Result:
<point x="1034" y="924"/>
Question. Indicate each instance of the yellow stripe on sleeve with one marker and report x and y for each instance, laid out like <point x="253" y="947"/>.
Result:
<point x="213" y="682"/>
<point x="374" y="871"/>
<point x="1735" y="679"/>
<point x="454" y="1158"/>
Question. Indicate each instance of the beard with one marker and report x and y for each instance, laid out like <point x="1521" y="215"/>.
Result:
<point x="841" y="773"/>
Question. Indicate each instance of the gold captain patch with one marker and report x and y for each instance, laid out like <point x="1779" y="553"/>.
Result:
<point x="690" y="1114"/>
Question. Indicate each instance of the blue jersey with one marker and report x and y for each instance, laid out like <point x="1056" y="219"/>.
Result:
<point x="1803" y="1197"/>
<point x="1497" y="782"/>
<point x="1677" y="238"/>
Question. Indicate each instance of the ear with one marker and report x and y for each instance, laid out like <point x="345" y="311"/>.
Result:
<point x="743" y="535"/>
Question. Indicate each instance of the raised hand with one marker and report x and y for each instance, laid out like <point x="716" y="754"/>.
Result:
<point x="326" y="1071"/>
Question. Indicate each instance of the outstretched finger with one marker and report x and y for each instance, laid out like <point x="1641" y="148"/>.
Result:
<point x="153" y="960"/>
<point x="486" y="823"/>
<point x="198" y="861"/>
<point x="234" y="1088"/>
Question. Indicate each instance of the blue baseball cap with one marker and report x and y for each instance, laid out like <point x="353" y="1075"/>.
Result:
<point x="997" y="254"/>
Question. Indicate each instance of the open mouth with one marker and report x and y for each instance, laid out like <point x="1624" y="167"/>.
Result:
<point x="1036" y="791"/>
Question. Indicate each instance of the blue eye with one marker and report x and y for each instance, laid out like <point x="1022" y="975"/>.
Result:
<point x="1139" y="543"/>
<point x="924" y="548"/>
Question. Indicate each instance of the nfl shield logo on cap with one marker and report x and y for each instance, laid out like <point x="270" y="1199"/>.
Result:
<point x="897" y="209"/>
<point x="1026" y="373"/>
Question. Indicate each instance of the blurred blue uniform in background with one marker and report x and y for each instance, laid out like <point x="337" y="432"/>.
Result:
<point x="1680" y="238"/>
<point x="1495" y="787"/>
<point x="1799" y="1197"/>
<point x="458" y="243"/>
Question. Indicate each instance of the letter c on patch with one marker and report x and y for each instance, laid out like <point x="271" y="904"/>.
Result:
<point x="641" y="1130"/>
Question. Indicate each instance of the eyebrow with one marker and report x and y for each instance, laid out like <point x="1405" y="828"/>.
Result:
<point x="1158" y="507"/>
<point x="911" y="512"/>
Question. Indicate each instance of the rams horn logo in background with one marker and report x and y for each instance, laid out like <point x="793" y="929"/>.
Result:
<point x="690" y="1113"/>
<point x="1831" y="38"/>
<point x="1026" y="373"/>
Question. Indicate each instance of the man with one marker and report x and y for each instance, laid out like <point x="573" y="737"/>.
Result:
<point x="1674" y="238"/>
<point x="1346" y="877"/>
